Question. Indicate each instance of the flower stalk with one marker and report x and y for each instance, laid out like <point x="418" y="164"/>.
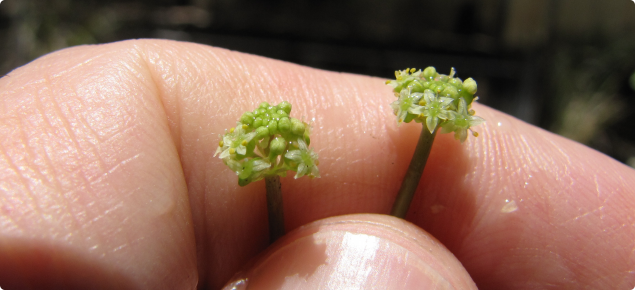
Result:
<point x="440" y="102"/>
<point x="266" y="143"/>
<point x="414" y="173"/>
<point x="274" y="207"/>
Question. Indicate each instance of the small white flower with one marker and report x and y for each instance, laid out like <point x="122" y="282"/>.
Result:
<point x="461" y="121"/>
<point x="235" y="141"/>
<point x="251" y="170"/>
<point x="404" y="103"/>
<point x="434" y="109"/>
<point x="306" y="159"/>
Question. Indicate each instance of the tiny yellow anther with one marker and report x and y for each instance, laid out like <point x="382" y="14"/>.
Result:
<point x="221" y="143"/>
<point x="422" y="103"/>
<point x="413" y="70"/>
<point x="231" y="130"/>
<point x="471" y="112"/>
<point x="244" y="143"/>
<point x="245" y="127"/>
<point x="232" y="151"/>
<point x="388" y="81"/>
<point x="475" y="134"/>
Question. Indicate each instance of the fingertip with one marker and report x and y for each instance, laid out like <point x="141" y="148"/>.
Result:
<point x="355" y="252"/>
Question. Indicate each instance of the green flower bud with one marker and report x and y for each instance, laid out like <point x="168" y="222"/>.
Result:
<point x="416" y="86"/>
<point x="247" y="118"/>
<point x="297" y="127"/>
<point x="276" y="116"/>
<point x="277" y="146"/>
<point x="264" y="105"/>
<point x="470" y="85"/>
<point x="262" y="132"/>
<point x="450" y="91"/>
<point x="456" y="82"/>
<point x="273" y="127"/>
<point x="257" y="122"/>
<point x="282" y="113"/>
<point x="429" y="73"/>
<point x="285" y="106"/>
<point x="284" y="125"/>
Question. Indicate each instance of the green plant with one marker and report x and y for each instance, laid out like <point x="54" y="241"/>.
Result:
<point x="439" y="101"/>
<point x="266" y="143"/>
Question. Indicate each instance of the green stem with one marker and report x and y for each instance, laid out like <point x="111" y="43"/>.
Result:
<point x="274" y="207"/>
<point x="413" y="175"/>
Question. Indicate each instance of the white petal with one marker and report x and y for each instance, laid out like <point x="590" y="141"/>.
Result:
<point x="445" y="101"/>
<point x="234" y="165"/>
<point x="218" y="150"/>
<point x="224" y="154"/>
<point x="227" y="140"/>
<point x="302" y="145"/>
<point x="260" y="165"/>
<point x="249" y="136"/>
<point x="315" y="172"/>
<point x="416" y="109"/>
<point x="476" y="120"/>
<point x="432" y="123"/>
<point x="395" y="105"/>
<point x="416" y="97"/>
<point x="301" y="170"/>
<point x="294" y="155"/>
<point x="462" y="107"/>
<point x="241" y="150"/>
<point x="429" y="96"/>
<point x="402" y="116"/>
<point x="461" y="135"/>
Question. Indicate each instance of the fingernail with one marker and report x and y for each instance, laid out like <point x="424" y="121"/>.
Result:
<point x="357" y="252"/>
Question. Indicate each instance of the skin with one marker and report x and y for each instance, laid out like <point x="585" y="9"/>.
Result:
<point x="107" y="180"/>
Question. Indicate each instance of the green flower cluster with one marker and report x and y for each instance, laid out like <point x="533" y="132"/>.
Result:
<point x="267" y="142"/>
<point x="438" y="100"/>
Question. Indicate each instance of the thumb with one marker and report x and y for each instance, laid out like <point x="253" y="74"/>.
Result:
<point x="364" y="251"/>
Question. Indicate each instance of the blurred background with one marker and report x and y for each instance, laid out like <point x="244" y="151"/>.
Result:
<point x="564" y="65"/>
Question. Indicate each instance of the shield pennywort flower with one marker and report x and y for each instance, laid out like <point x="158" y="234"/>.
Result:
<point x="256" y="147"/>
<point x="404" y="103"/>
<point x="433" y="108"/>
<point x="306" y="159"/>
<point x="438" y="100"/>
<point x="461" y="121"/>
<point x="235" y="141"/>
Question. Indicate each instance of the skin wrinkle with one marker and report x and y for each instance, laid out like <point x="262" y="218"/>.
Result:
<point x="107" y="166"/>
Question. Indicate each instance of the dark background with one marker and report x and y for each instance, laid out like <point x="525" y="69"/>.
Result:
<point x="564" y="65"/>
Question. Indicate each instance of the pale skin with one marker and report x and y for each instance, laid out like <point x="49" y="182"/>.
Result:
<point x="107" y="179"/>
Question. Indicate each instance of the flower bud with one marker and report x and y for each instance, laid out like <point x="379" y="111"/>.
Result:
<point x="450" y="91"/>
<point x="470" y="85"/>
<point x="277" y="146"/>
<point x="297" y="127"/>
<point x="285" y="106"/>
<point x="247" y="118"/>
<point x="257" y="122"/>
<point x="262" y="132"/>
<point x="273" y="127"/>
<point x="284" y="125"/>
<point x="429" y="73"/>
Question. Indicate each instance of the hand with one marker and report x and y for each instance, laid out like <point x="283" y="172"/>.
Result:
<point x="108" y="181"/>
